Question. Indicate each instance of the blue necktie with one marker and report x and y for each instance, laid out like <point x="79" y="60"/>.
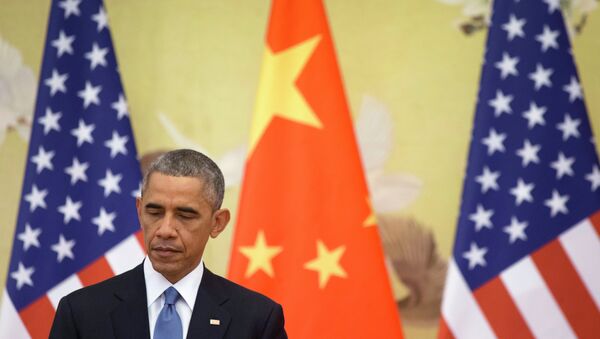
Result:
<point x="168" y="323"/>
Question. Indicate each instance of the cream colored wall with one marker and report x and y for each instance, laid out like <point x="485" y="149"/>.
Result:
<point x="197" y="62"/>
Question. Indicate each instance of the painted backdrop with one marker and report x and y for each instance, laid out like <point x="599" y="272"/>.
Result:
<point x="190" y="70"/>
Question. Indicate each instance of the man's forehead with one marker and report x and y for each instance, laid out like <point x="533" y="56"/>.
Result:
<point x="182" y="191"/>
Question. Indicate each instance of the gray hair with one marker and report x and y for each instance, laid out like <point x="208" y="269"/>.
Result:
<point x="189" y="163"/>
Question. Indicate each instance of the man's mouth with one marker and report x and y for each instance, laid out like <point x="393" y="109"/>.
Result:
<point x="165" y="251"/>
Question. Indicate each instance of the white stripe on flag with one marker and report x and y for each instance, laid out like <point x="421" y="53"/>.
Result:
<point x="583" y="248"/>
<point x="460" y="309"/>
<point x="65" y="287"/>
<point x="532" y="297"/>
<point x="11" y="325"/>
<point x="125" y="255"/>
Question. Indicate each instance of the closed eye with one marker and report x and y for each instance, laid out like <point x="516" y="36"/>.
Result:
<point x="154" y="209"/>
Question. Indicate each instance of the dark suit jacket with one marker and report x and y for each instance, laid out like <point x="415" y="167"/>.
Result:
<point x="117" y="308"/>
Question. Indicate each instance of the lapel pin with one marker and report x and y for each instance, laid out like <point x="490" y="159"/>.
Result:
<point x="216" y="322"/>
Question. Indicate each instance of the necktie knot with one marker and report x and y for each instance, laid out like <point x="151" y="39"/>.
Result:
<point x="171" y="295"/>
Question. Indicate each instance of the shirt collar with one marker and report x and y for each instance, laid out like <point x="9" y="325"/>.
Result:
<point x="187" y="286"/>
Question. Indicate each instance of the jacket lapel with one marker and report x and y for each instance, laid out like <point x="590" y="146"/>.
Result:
<point x="130" y="317"/>
<point x="209" y="319"/>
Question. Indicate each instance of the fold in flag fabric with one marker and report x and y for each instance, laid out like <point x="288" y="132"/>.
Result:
<point x="306" y="234"/>
<point x="527" y="244"/>
<point x="77" y="222"/>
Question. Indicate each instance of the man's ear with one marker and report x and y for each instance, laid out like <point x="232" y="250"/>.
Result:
<point x="138" y="206"/>
<point x="222" y="217"/>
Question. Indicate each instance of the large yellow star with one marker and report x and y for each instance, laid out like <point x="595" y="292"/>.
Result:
<point x="277" y="91"/>
<point x="327" y="263"/>
<point x="371" y="219"/>
<point x="260" y="255"/>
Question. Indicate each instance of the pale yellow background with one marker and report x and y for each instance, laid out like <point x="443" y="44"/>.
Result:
<point x="198" y="63"/>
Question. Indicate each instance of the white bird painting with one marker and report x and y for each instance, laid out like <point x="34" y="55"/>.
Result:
<point x="17" y="92"/>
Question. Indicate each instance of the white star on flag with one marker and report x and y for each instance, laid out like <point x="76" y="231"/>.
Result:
<point x="83" y="133"/>
<point x="104" y="221"/>
<point x="569" y="127"/>
<point x="529" y="153"/>
<point x="43" y="160"/>
<point x="594" y="178"/>
<point x="101" y="19"/>
<point x="557" y="204"/>
<point x="553" y="5"/>
<point x="535" y="115"/>
<point x="56" y="82"/>
<point x="70" y="210"/>
<point x="23" y="275"/>
<point x="29" y="237"/>
<point x="117" y="144"/>
<point x="50" y="121"/>
<point x="494" y="142"/>
<point x="70" y="7"/>
<point x="482" y="218"/>
<point x="110" y="183"/>
<point x="548" y="39"/>
<point x="63" y="44"/>
<point x="574" y="90"/>
<point x="97" y="56"/>
<point x="507" y="66"/>
<point x="90" y="94"/>
<point x="514" y="27"/>
<point x="563" y="165"/>
<point x="488" y="179"/>
<point x="541" y="77"/>
<point x="516" y="230"/>
<point x="63" y="248"/>
<point x="120" y="106"/>
<point x="36" y="198"/>
<point x="138" y="192"/>
<point x="475" y="255"/>
<point x="522" y="192"/>
<point x="501" y="103"/>
<point x="77" y="171"/>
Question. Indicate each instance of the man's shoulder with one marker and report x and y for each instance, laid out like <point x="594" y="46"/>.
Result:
<point x="108" y="287"/>
<point x="252" y="313"/>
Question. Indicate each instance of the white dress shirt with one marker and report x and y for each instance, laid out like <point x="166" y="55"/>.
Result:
<point x="187" y="287"/>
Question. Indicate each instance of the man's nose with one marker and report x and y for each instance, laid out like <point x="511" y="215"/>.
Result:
<point x="167" y="227"/>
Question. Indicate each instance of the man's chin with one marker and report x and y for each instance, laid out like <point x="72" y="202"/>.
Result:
<point x="162" y="262"/>
<point x="167" y="269"/>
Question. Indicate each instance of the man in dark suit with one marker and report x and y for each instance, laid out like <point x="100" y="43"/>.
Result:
<point x="171" y="294"/>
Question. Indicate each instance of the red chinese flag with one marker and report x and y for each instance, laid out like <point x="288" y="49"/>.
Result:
<point x="306" y="234"/>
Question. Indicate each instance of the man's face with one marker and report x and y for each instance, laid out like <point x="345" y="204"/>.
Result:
<point x="177" y="220"/>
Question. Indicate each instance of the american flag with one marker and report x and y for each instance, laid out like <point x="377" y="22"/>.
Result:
<point x="527" y="244"/>
<point x="77" y="222"/>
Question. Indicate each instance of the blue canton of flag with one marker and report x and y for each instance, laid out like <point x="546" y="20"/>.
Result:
<point x="528" y="231"/>
<point x="77" y="210"/>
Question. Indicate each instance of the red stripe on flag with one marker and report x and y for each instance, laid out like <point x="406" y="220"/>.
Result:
<point x="444" y="331"/>
<point x="139" y="235"/>
<point x="595" y="219"/>
<point x="500" y="310"/>
<point x="568" y="289"/>
<point x="38" y="317"/>
<point x="95" y="272"/>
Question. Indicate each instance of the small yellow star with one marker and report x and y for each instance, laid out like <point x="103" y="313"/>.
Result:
<point x="277" y="92"/>
<point x="260" y="255"/>
<point x="327" y="263"/>
<point x="371" y="219"/>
